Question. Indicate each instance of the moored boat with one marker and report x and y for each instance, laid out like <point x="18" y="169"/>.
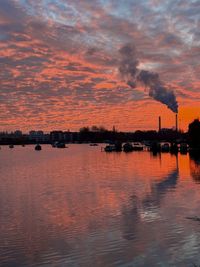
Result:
<point x="183" y="148"/>
<point x="38" y="147"/>
<point x="155" y="147"/>
<point x="127" y="147"/>
<point x="174" y="148"/>
<point x="109" y="148"/>
<point x="61" y="145"/>
<point x="58" y="144"/>
<point x="165" y="147"/>
<point x="138" y="147"/>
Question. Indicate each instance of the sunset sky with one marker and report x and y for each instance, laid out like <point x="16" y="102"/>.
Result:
<point x="60" y="63"/>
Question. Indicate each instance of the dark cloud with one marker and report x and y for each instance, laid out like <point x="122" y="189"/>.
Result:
<point x="128" y="68"/>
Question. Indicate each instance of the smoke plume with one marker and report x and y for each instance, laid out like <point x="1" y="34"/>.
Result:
<point x="129" y="70"/>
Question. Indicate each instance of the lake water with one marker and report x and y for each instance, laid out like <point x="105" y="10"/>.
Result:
<point x="82" y="207"/>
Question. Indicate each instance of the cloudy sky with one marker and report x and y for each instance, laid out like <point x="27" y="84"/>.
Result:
<point x="60" y="62"/>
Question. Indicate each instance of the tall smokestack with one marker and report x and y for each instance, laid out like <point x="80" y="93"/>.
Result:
<point x="176" y="122"/>
<point x="159" y="123"/>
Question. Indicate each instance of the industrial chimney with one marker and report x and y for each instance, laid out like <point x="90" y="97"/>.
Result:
<point x="159" y="123"/>
<point x="176" y="122"/>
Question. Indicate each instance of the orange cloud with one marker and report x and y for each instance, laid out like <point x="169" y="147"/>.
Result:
<point x="59" y="65"/>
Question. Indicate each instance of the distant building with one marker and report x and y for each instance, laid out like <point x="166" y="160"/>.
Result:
<point x="37" y="136"/>
<point x="68" y="137"/>
<point x="46" y="138"/>
<point x="56" y="136"/>
<point x="18" y="133"/>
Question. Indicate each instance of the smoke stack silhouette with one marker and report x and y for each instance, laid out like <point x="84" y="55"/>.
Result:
<point x="159" y="123"/>
<point x="176" y="122"/>
<point x="129" y="70"/>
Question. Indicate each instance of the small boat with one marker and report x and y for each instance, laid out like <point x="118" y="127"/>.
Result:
<point x="183" y="148"/>
<point x="11" y="146"/>
<point x="137" y="147"/>
<point x="155" y="147"/>
<point x="54" y="144"/>
<point x="165" y="147"/>
<point x="118" y="146"/>
<point x="94" y="144"/>
<point x="110" y="148"/>
<point x="61" y="145"/>
<point x="174" y="148"/>
<point x="58" y="144"/>
<point x="128" y="147"/>
<point x="38" y="147"/>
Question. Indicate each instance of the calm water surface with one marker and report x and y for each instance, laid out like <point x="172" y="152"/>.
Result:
<point x="83" y="207"/>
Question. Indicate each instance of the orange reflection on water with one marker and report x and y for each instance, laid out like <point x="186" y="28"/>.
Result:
<point x="184" y="166"/>
<point x="65" y="203"/>
<point x="108" y="182"/>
